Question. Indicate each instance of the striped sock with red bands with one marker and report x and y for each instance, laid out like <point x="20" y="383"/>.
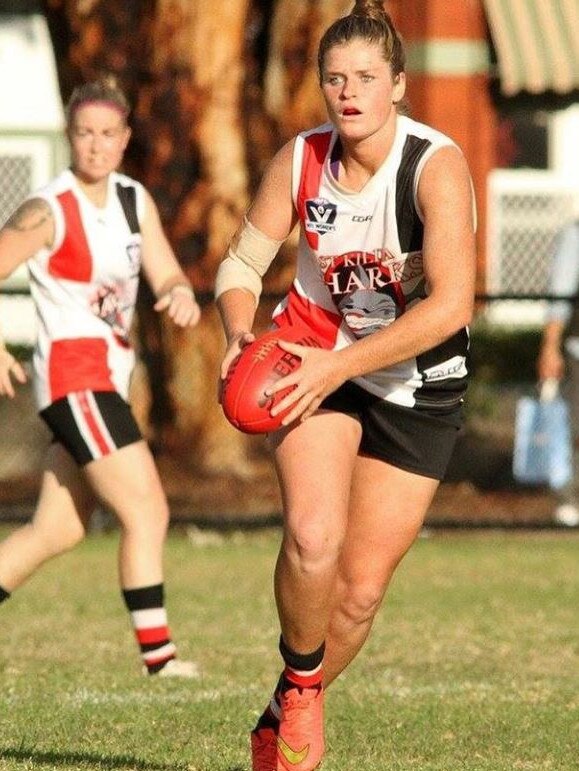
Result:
<point x="302" y="680"/>
<point x="149" y="617"/>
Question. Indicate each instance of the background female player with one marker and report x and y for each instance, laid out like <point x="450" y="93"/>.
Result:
<point x="385" y="273"/>
<point x="86" y="236"/>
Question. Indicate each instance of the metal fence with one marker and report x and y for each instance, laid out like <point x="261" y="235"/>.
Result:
<point x="526" y="211"/>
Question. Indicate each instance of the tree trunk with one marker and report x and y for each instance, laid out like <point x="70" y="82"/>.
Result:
<point x="217" y="88"/>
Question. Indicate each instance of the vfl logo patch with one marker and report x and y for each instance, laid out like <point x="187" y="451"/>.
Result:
<point x="321" y="215"/>
<point x="293" y="758"/>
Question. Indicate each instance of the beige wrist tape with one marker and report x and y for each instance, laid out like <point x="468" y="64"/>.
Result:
<point x="248" y="257"/>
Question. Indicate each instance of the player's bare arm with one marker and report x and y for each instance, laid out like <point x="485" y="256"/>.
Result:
<point x="28" y="230"/>
<point x="263" y="230"/>
<point x="170" y="285"/>
<point x="31" y="215"/>
<point x="551" y="362"/>
<point x="272" y="210"/>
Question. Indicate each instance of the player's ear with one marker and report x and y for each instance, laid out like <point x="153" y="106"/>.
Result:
<point x="127" y="136"/>
<point x="399" y="88"/>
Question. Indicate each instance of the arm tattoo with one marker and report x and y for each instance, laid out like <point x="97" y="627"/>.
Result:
<point x="30" y="215"/>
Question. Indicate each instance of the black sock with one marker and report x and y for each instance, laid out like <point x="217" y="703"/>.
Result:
<point x="3" y="594"/>
<point x="301" y="662"/>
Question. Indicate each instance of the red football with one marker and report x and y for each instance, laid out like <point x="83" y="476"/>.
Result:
<point x="257" y="367"/>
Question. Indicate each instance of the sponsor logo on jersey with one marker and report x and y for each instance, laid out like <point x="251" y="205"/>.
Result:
<point x="362" y="218"/>
<point x="320" y="215"/>
<point x="452" y="368"/>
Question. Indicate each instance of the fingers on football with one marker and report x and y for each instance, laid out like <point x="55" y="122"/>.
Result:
<point x="303" y="409"/>
<point x="295" y="348"/>
<point x="297" y="394"/>
<point x="246" y="339"/>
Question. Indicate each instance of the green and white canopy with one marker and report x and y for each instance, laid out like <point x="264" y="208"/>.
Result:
<point x="537" y="44"/>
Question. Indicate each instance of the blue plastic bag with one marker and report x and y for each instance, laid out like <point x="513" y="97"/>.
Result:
<point x="543" y="447"/>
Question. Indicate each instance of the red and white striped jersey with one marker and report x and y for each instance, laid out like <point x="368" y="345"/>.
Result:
<point x="360" y="262"/>
<point x="85" y="287"/>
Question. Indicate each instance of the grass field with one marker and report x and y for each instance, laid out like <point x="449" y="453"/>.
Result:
<point x="473" y="663"/>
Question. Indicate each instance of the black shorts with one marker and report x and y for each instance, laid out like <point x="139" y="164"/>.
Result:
<point x="415" y="440"/>
<point x="91" y="424"/>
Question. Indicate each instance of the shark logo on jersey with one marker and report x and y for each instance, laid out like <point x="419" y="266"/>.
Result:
<point x="365" y="289"/>
<point x="134" y="257"/>
<point x="320" y="215"/>
<point x="107" y="304"/>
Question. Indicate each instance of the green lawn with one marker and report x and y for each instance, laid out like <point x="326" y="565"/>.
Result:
<point x="473" y="663"/>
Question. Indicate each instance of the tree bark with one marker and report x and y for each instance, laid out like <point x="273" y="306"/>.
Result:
<point x="217" y="88"/>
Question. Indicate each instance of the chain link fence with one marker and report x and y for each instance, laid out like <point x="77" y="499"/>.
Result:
<point x="526" y="211"/>
<point x="16" y="174"/>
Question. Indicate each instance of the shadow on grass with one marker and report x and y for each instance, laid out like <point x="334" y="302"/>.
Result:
<point x="92" y="761"/>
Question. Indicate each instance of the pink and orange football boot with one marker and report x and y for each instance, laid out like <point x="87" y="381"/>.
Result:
<point x="300" y="739"/>
<point x="264" y="742"/>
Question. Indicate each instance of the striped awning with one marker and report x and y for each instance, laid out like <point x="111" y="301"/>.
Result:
<point x="537" y="44"/>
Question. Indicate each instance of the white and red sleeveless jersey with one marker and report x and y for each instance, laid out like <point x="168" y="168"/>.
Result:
<point x="85" y="287"/>
<point x="360" y="263"/>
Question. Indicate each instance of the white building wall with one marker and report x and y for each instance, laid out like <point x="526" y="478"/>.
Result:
<point x="564" y="143"/>
<point x="32" y="145"/>
<point x="29" y="92"/>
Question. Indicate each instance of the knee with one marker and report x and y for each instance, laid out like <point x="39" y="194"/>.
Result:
<point x="360" y="603"/>
<point x="59" y="540"/>
<point x="312" y="543"/>
<point x="147" y="518"/>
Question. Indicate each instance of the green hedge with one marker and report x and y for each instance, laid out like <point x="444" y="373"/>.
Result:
<point x="504" y="355"/>
<point x="503" y="366"/>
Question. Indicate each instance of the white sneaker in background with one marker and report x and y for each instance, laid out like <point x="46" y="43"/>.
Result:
<point x="177" y="668"/>
<point x="566" y="514"/>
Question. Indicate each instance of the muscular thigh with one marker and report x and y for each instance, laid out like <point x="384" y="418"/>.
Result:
<point x="387" y="508"/>
<point x="314" y="462"/>
<point x="66" y="501"/>
<point x="127" y="480"/>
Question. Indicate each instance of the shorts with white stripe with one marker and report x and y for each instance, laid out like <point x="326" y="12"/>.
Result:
<point x="91" y="424"/>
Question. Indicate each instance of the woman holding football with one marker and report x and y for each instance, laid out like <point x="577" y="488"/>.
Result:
<point x="385" y="272"/>
<point x="85" y="237"/>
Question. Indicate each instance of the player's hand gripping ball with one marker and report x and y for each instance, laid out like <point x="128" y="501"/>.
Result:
<point x="260" y="365"/>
